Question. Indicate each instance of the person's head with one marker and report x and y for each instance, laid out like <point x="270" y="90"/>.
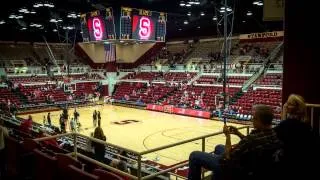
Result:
<point x="48" y="113"/>
<point x="1" y="122"/>
<point x="98" y="133"/>
<point x="296" y="107"/>
<point x="262" y="117"/>
<point x="29" y="117"/>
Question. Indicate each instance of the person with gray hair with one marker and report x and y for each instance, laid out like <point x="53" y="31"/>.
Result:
<point x="250" y="158"/>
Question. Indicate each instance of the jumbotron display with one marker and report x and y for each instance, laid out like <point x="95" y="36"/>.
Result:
<point x="98" y="25"/>
<point x="142" y="25"/>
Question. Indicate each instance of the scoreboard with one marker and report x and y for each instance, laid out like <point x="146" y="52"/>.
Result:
<point x="142" y="25"/>
<point x="134" y="24"/>
<point x="98" y="25"/>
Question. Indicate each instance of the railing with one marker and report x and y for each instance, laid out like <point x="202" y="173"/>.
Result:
<point x="139" y="155"/>
<point x="312" y="108"/>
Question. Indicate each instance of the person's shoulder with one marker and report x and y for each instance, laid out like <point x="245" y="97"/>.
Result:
<point x="293" y="124"/>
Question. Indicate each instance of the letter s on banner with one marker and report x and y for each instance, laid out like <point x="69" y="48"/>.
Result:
<point x="145" y="28"/>
<point x="97" y="29"/>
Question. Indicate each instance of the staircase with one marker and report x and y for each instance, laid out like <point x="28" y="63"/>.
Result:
<point x="273" y="55"/>
<point x="195" y="78"/>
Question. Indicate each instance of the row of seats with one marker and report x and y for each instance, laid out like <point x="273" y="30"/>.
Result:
<point x="169" y="76"/>
<point x="270" y="79"/>
<point x="232" y="80"/>
<point x="147" y="94"/>
<point x="208" y="97"/>
<point x="260" y="96"/>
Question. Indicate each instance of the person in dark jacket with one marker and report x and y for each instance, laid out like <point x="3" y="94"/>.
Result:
<point x="300" y="143"/>
<point x="99" y="149"/>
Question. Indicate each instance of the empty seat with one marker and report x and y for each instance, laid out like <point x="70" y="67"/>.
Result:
<point x="78" y="174"/>
<point x="45" y="166"/>
<point x="102" y="174"/>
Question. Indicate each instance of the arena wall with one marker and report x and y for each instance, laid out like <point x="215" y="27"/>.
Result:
<point x="124" y="53"/>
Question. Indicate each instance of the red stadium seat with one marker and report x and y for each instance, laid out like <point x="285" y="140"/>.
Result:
<point x="102" y="174"/>
<point x="78" y="174"/>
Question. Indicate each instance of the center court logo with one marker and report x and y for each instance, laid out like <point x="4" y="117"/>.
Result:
<point x="125" y="122"/>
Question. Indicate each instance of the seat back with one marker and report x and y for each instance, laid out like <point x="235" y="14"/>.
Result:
<point x="12" y="157"/>
<point x="63" y="161"/>
<point x="78" y="174"/>
<point x="102" y="174"/>
<point x="46" y="166"/>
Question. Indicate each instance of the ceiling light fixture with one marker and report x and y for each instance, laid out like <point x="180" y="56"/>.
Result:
<point x="182" y="3"/>
<point x="260" y="4"/>
<point x="196" y="2"/>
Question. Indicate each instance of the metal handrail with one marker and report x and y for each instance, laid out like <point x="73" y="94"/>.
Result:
<point x="139" y="154"/>
<point x="106" y="166"/>
<point x="312" y="107"/>
<point x="186" y="141"/>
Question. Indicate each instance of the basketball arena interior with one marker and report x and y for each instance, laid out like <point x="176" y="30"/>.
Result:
<point x="147" y="89"/>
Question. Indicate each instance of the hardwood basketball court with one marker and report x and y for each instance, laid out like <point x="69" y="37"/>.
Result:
<point x="141" y="130"/>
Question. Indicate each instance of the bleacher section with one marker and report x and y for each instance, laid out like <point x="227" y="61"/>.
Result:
<point x="169" y="76"/>
<point x="146" y="94"/>
<point x="270" y="79"/>
<point x="269" y="97"/>
<point x="204" y="95"/>
<point x="231" y="80"/>
<point x="35" y="54"/>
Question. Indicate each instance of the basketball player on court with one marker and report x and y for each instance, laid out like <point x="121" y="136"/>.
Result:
<point x="94" y="116"/>
<point x="99" y="117"/>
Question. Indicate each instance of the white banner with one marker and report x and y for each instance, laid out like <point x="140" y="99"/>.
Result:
<point x="262" y="35"/>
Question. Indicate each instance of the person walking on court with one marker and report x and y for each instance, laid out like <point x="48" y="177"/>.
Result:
<point x="73" y="125"/>
<point x="94" y="116"/>
<point x="99" y="117"/>
<point x="62" y="124"/>
<point x="49" y="119"/>
<point x="76" y="115"/>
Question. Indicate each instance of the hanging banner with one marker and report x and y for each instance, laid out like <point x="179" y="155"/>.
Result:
<point x="264" y="35"/>
<point x="273" y="10"/>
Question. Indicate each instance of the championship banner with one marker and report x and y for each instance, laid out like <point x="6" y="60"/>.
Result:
<point x="273" y="10"/>
<point x="264" y="35"/>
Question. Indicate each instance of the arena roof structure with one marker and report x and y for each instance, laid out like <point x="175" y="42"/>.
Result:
<point x="30" y="20"/>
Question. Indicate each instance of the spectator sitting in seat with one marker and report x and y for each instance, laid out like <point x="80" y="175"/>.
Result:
<point x="99" y="149"/>
<point x="298" y="138"/>
<point x="26" y="125"/>
<point x="252" y="157"/>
